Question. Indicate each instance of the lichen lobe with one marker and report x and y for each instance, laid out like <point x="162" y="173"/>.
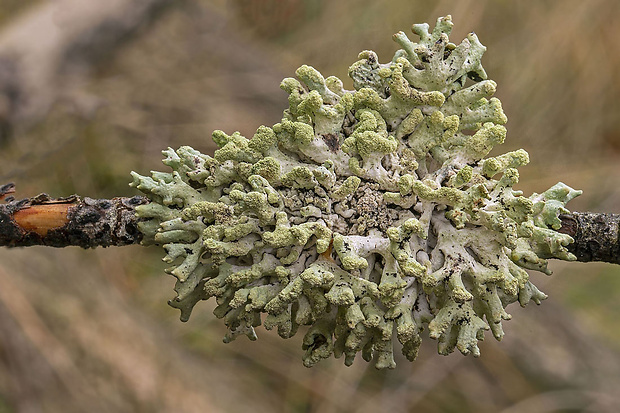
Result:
<point x="368" y="215"/>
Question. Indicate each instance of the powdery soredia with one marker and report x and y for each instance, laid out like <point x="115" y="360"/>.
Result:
<point x="366" y="215"/>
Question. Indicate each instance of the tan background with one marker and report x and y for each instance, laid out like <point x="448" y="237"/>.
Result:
<point x="91" y="331"/>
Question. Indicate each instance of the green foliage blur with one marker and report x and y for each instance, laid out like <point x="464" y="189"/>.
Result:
<point x="91" y="331"/>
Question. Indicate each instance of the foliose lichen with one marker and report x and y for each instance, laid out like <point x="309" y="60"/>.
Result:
<point x="366" y="215"/>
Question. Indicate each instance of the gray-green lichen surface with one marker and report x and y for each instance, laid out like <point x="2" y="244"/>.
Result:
<point x="366" y="215"/>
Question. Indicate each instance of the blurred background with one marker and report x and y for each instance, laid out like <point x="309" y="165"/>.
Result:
<point x="92" y="90"/>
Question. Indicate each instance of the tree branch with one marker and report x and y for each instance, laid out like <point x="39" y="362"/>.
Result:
<point x="596" y="236"/>
<point x="63" y="222"/>
<point x="89" y="223"/>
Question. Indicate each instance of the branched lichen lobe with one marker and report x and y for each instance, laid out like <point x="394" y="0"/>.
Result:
<point x="368" y="214"/>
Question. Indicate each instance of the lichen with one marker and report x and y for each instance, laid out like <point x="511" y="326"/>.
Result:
<point x="366" y="214"/>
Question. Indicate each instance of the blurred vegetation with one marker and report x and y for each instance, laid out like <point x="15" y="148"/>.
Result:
<point x="10" y="8"/>
<point x="90" y="330"/>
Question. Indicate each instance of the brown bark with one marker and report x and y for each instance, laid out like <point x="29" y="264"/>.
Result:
<point x="71" y="221"/>
<point x="596" y="236"/>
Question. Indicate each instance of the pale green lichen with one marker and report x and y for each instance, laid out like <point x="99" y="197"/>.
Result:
<point x="367" y="215"/>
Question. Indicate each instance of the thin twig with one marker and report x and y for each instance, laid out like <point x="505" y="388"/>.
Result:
<point x="596" y="236"/>
<point x="71" y="221"/>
